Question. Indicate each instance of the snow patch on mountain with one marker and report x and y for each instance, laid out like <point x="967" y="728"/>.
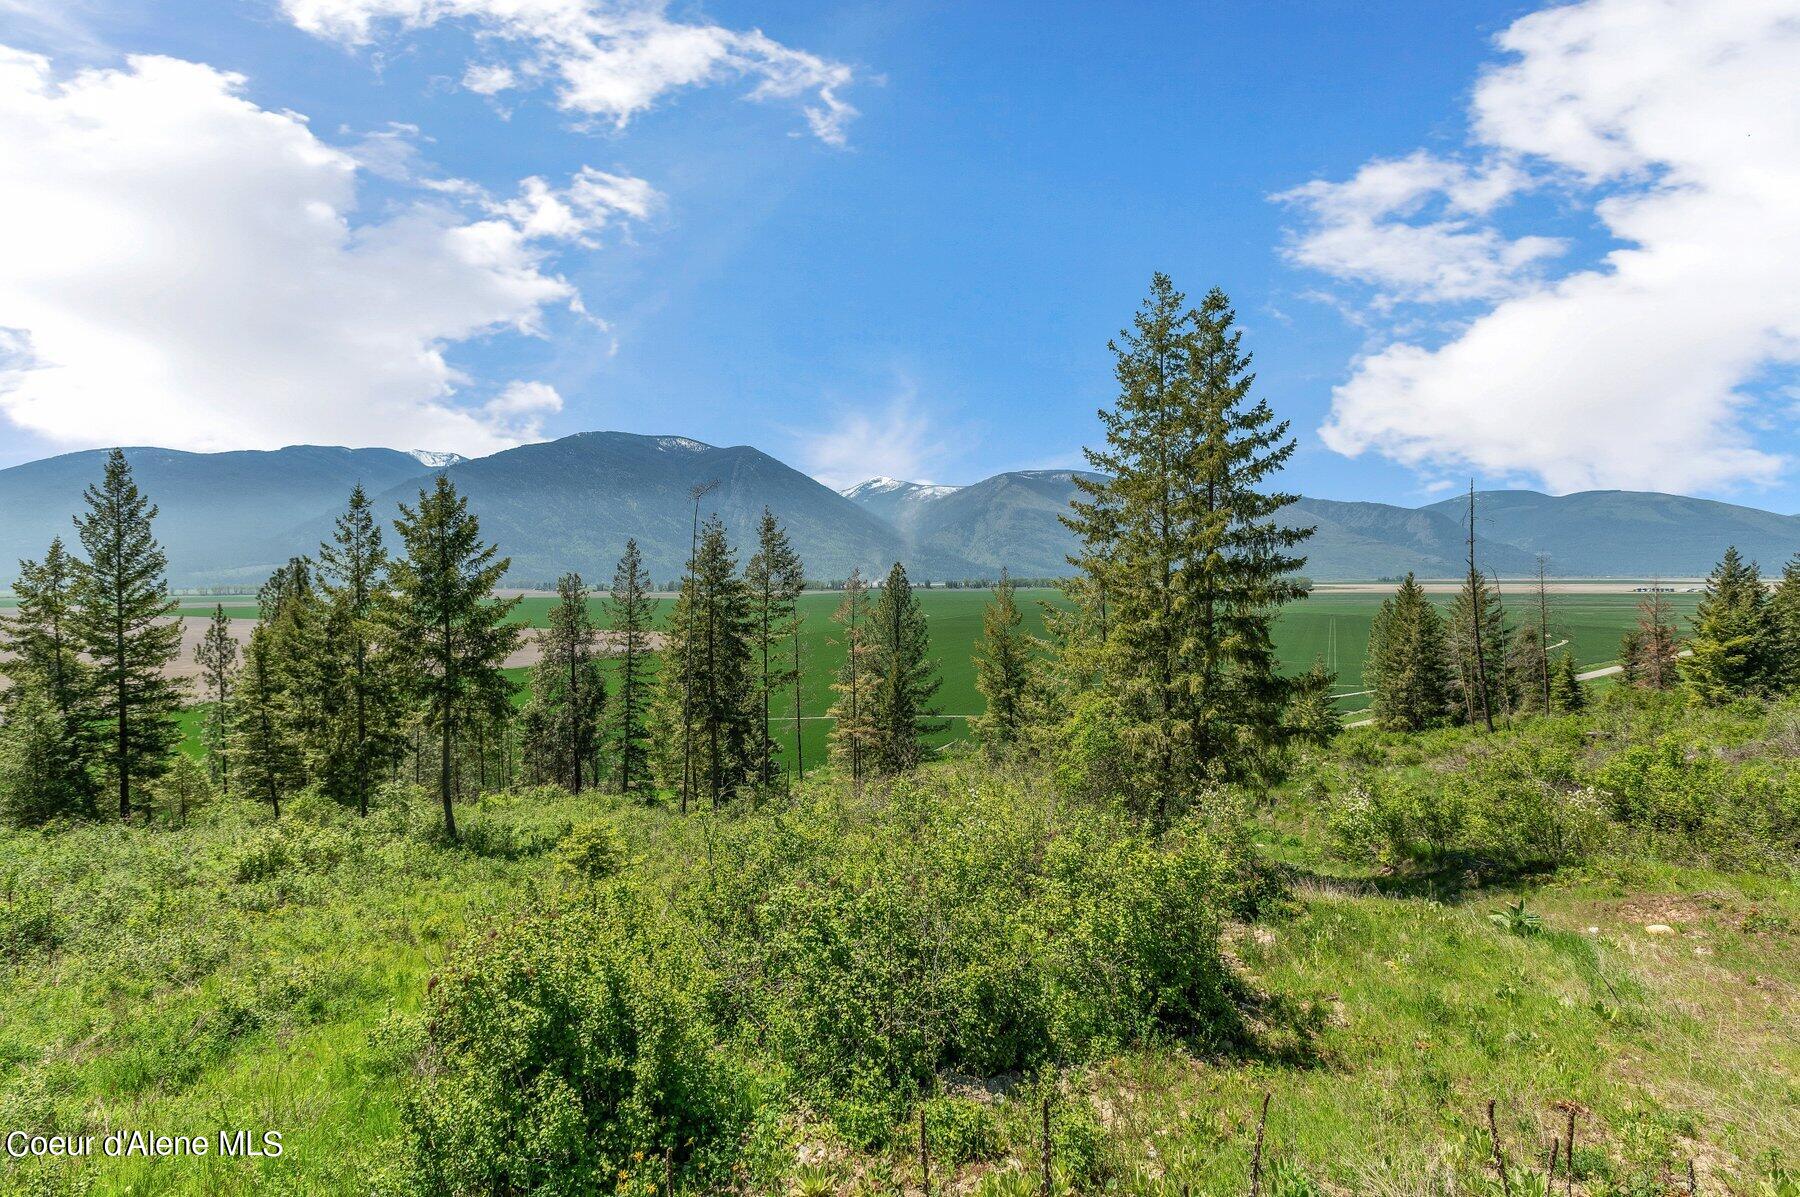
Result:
<point x="434" y="460"/>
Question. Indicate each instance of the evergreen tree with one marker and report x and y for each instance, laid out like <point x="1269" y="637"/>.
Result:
<point x="1784" y="610"/>
<point x="42" y="657"/>
<point x="123" y="623"/>
<point x="217" y="656"/>
<point x="363" y="737"/>
<point x="1651" y="651"/>
<point x="568" y="690"/>
<point x="905" y="681"/>
<point x="265" y="758"/>
<point x="1408" y="662"/>
<point x="774" y="578"/>
<point x="852" y="730"/>
<point x="1188" y="553"/>
<point x="630" y="612"/>
<point x="1479" y="678"/>
<point x="1003" y="670"/>
<point x="185" y="788"/>
<point x="1526" y="671"/>
<point x="1312" y="713"/>
<point x="707" y="664"/>
<point x="450" y="631"/>
<point x="1732" y="635"/>
<point x="1567" y="697"/>
<point x="38" y="779"/>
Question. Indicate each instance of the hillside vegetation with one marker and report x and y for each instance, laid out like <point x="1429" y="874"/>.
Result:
<point x="810" y="972"/>
<point x="388" y="914"/>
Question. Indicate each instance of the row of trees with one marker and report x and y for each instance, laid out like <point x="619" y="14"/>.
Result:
<point x="1157" y="683"/>
<point x="364" y="666"/>
<point x="1425" y="667"/>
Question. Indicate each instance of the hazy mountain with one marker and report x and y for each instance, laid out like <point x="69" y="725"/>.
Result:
<point x="1011" y="520"/>
<point x="897" y="502"/>
<point x="229" y="518"/>
<point x="570" y="504"/>
<point x="225" y="517"/>
<point x="1376" y="540"/>
<point x="1629" y="533"/>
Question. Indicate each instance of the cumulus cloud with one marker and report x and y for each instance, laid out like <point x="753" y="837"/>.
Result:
<point x="613" y="59"/>
<point x="1672" y="122"/>
<point x="185" y="268"/>
<point x="1369" y="229"/>
<point x="521" y="408"/>
<point x="894" y="440"/>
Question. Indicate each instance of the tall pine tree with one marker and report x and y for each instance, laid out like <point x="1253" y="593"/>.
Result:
<point x="1188" y="552"/>
<point x="217" y="656"/>
<point x="1784" y="610"/>
<point x="1478" y="652"/>
<point x="707" y="712"/>
<point x="568" y="690"/>
<point x="364" y="736"/>
<point x="774" y="578"/>
<point x="451" y="630"/>
<point x="42" y="660"/>
<point x="630" y="612"/>
<point x="264" y="753"/>
<point x="123" y="622"/>
<point x="1004" y="669"/>
<point x="901" y="713"/>
<point x="1408" y="662"/>
<point x="852" y="731"/>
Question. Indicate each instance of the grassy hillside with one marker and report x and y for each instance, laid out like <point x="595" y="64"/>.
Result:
<point x="236" y="972"/>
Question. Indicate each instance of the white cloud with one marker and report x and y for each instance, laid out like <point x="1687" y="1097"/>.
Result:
<point x="613" y="58"/>
<point x="1366" y="230"/>
<point x="894" y="441"/>
<point x="1673" y="123"/>
<point x="521" y="408"/>
<point x="489" y="79"/>
<point x="183" y="268"/>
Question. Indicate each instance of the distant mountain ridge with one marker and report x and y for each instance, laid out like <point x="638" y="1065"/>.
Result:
<point x="230" y="518"/>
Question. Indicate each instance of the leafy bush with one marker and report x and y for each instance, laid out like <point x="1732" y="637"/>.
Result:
<point x="566" y="1054"/>
<point x="1721" y="785"/>
<point x="968" y="928"/>
<point x="960" y="1129"/>
<point x="593" y="851"/>
<point x="27" y="921"/>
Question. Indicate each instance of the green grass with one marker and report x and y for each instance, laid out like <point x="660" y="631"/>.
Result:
<point x="1333" y="628"/>
<point x="185" y="988"/>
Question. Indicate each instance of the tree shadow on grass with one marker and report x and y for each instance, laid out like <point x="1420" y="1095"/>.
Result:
<point x="1451" y="880"/>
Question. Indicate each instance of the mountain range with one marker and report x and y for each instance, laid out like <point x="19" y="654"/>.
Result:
<point x="230" y="518"/>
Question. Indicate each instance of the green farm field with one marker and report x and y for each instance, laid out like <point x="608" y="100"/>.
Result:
<point x="1330" y="626"/>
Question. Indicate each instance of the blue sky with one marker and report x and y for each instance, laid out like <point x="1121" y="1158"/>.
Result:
<point x="1411" y="205"/>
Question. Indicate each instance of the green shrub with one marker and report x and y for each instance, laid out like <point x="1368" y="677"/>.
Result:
<point x="566" y="1054"/>
<point x="959" y="1130"/>
<point x="1643" y="775"/>
<point x="971" y="927"/>
<point x="593" y="851"/>
<point x="27" y="921"/>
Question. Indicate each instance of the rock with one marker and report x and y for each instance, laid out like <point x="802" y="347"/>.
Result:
<point x="1659" y="929"/>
